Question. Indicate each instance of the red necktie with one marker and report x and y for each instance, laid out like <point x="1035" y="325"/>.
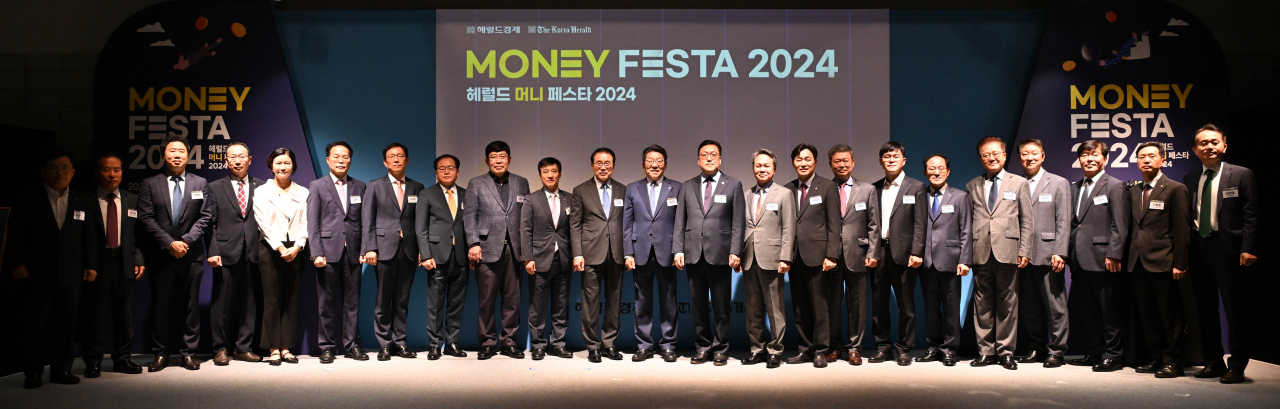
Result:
<point x="241" y="197"/>
<point x="113" y="222"/>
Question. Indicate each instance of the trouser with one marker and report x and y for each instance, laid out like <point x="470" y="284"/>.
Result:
<point x="111" y="291"/>
<point x="495" y="279"/>
<point x="995" y="307"/>
<point x="391" y="311"/>
<point x="338" y="290"/>
<point x="941" y="309"/>
<point x="851" y="286"/>
<point x="765" y="294"/>
<point x="175" y="302"/>
<point x="1102" y="316"/>
<point x="233" y="310"/>
<point x="716" y="280"/>
<point x="52" y="326"/>
<point x="281" y="281"/>
<point x="606" y="278"/>
<point x="1216" y="272"/>
<point x="1160" y="309"/>
<point x="901" y="279"/>
<point x="644" y="276"/>
<point x="809" y="308"/>
<point x="551" y="285"/>
<point x="1043" y="292"/>
<point x="446" y="297"/>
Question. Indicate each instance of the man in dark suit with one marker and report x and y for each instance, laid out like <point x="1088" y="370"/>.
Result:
<point x="859" y="249"/>
<point x="335" y="236"/>
<point x="1158" y="255"/>
<point x="53" y="247"/>
<point x="1225" y="207"/>
<point x="492" y="217"/>
<point x="390" y="244"/>
<point x="233" y="254"/>
<point x="1098" y="233"/>
<point x="711" y="213"/>
<point x="595" y="220"/>
<point x="648" y="220"/>
<point x="544" y="245"/>
<point x="902" y="244"/>
<point x="442" y="240"/>
<point x="817" y="248"/>
<point x="948" y="252"/>
<point x="119" y="265"/>
<point x="169" y="207"/>
<point x="1042" y="285"/>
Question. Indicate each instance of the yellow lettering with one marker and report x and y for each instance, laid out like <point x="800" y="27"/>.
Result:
<point x="476" y="65"/>
<point x="147" y="99"/>
<point x="239" y="97"/>
<point x="177" y="98"/>
<point x="1082" y="99"/>
<point x="524" y="63"/>
<point x="596" y="64"/>
<point x="1182" y="94"/>
<point x="1102" y="96"/>
<point x="550" y="66"/>
<point x="1133" y="94"/>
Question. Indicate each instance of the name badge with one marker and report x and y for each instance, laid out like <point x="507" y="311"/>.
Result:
<point x="78" y="215"/>
<point x="1046" y="198"/>
<point x="197" y="195"/>
<point x="617" y="202"/>
<point x="773" y="207"/>
<point x="412" y="198"/>
<point x="133" y="213"/>
<point x="1099" y="200"/>
<point x="908" y="200"/>
<point x="1157" y="205"/>
<point x="1010" y="196"/>
<point x="355" y="199"/>
<point x="671" y="201"/>
<point x="721" y="199"/>
<point x="519" y="199"/>
<point x="860" y="206"/>
<point x="815" y="200"/>
<point x="568" y="210"/>
<point x="1230" y="193"/>
<point x="948" y="209"/>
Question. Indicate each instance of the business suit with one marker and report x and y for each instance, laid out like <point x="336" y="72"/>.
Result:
<point x="1161" y="242"/>
<point x="112" y="291"/>
<point x="55" y="258"/>
<point x="492" y="218"/>
<point x="1040" y="290"/>
<point x="709" y="230"/>
<point x="545" y="240"/>
<point x="859" y="240"/>
<point x="235" y="239"/>
<point x="905" y="238"/>
<point x="817" y="239"/>
<point x="947" y="245"/>
<point x="597" y="238"/>
<point x="389" y="231"/>
<point x="1098" y="231"/>
<point x="334" y="224"/>
<point x="1001" y="233"/>
<point x="175" y="282"/>
<point x="648" y="227"/>
<point x="769" y="240"/>
<point x="442" y="237"/>
<point x="1234" y="228"/>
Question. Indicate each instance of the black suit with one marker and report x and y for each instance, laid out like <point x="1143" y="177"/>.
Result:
<point x="546" y="243"/>
<point x="175" y="283"/>
<point x="390" y="231"/>
<point x="1160" y="242"/>
<point x="334" y="233"/>
<point x="906" y="235"/>
<point x="112" y="291"/>
<point x="233" y="309"/>
<point x="1098" y="231"/>
<point x="597" y="238"/>
<point x="441" y="237"/>
<point x="817" y="239"/>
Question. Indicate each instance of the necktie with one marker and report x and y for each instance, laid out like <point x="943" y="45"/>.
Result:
<point x="759" y="203"/>
<point x="1146" y="193"/>
<point x="706" y="196"/>
<point x="653" y="198"/>
<point x="177" y="199"/>
<point x="604" y="200"/>
<point x="113" y="222"/>
<point x="936" y="203"/>
<point x="844" y="199"/>
<point x="342" y="193"/>
<point x="1206" y="204"/>
<point x="804" y="194"/>
<point x="992" y="196"/>
<point x="555" y="210"/>
<point x="453" y="204"/>
<point x="1084" y="193"/>
<point x="399" y="194"/>
<point x="241" y="197"/>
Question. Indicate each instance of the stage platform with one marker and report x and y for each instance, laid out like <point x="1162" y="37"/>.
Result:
<point x="576" y="383"/>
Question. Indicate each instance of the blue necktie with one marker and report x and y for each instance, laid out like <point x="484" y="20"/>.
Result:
<point x="177" y="199"/>
<point x="991" y="198"/>
<point x="604" y="199"/>
<point x="653" y="198"/>
<point x="935" y="204"/>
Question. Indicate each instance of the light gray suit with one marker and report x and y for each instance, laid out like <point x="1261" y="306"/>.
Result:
<point x="493" y="224"/>
<point x="1001" y="234"/>
<point x="1039" y="288"/>
<point x="859" y="239"/>
<point x="770" y="235"/>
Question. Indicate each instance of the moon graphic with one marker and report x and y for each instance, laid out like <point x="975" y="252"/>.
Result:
<point x="1084" y="51"/>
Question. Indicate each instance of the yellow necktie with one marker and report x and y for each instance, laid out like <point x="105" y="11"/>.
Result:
<point x="453" y="211"/>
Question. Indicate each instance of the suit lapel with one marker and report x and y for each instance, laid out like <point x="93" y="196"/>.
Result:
<point x="999" y="195"/>
<point x="897" y="201"/>
<point x="235" y="200"/>
<point x="1224" y="180"/>
<point x="717" y="191"/>
<point x="851" y="200"/>
<point x="1087" y="202"/>
<point x="165" y="197"/>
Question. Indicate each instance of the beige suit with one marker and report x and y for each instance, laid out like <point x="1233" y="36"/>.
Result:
<point x="1001" y="234"/>
<point x="770" y="233"/>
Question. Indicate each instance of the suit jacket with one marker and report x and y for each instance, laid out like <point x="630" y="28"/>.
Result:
<point x="1100" y="229"/>
<point x="595" y="237"/>
<point x="1238" y="217"/>
<point x="1052" y="221"/>
<point x="53" y="255"/>
<point x="1161" y="233"/>
<point x="1006" y="230"/>
<point x="232" y="233"/>
<point x="906" y="221"/>
<point x="642" y="230"/>
<point x="131" y="254"/>
<point x="817" y="225"/>
<point x="539" y="237"/>
<point x="859" y="229"/>
<point x="770" y="236"/>
<point x="330" y="228"/>
<point x="387" y="226"/>
<point x="156" y="214"/>
<point x="715" y="233"/>
<point x="948" y="241"/>
<point x="490" y="221"/>
<point x="440" y="234"/>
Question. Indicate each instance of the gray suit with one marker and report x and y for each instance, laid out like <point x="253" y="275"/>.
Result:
<point x="1040" y="290"/>
<point x="708" y="230"/>
<point x="1099" y="231"/>
<point x="546" y="242"/>
<point x="597" y="238"/>
<point x="859" y="239"/>
<point x="1001" y="234"/>
<point x="770" y="233"/>
<point x="906" y="233"/>
<point x="947" y="244"/>
<point x="493" y="224"/>
<point x="442" y="237"/>
<point x="390" y="232"/>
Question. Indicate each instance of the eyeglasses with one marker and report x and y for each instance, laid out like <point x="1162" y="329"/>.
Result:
<point x="651" y="162"/>
<point x="708" y="155"/>
<point x="396" y="156"/>
<point x="602" y="165"/>
<point x="498" y="157"/>
<point x="990" y="155"/>
<point x="238" y="157"/>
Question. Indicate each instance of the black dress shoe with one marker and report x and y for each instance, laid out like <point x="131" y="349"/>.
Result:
<point x="720" y="360"/>
<point x="486" y="352"/>
<point x="593" y="356"/>
<point x="32" y="381"/>
<point x="1211" y="371"/>
<point x="819" y="361"/>
<point x="1084" y="361"/>
<point x="802" y="358"/>
<point x="1034" y="357"/>
<point x="1008" y="362"/>
<point x="401" y="351"/>
<point x="250" y="357"/>
<point x="984" y="360"/>
<point x="904" y="358"/>
<point x="700" y="358"/>
<point x="774" y="361"/>
<point x="453" y="350"/>
<point x="931" y="356"/>
<point x="384" y="354"/>
<point x="1170" y="371"/>
<point x="949" y="359"/>
<point x="879" y="357"/>
<point x="755" y="358"/>
<point x="159" y="363"/>
<point x="435" y="353"/>
<point x="559" y="352"/>
<point x="538" y="354"/>
<point x="1150" y="367"/>
<point x="275" y="361"/>
<point x="63" y="378"/>
<point x="92" y="369"/>
<point x="1108" y="365"/>
<point x="612" y="353"/>
<point x="326" y="356"/>
<point x="356" y="353"/>
<point x="510" y="351"/>
<point x="641" y="355"/>
<point x="126" y="367"/>
<point x="290" y="359"/>
<point x="1231" y="376"/>
<point x="669" y="355"/>
<point x="191" y="363"/>
<point x="1053" y="361"/>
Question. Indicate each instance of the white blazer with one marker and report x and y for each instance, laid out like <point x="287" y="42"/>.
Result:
<point x="281" y="213"/>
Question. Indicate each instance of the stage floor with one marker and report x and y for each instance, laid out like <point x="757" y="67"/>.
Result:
<point x="555" y="383"/>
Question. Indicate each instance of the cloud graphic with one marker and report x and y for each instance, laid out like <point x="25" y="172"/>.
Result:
<point x="1176" y="22"/>
<point x="151" y="28"/>
<point x="1168" y="34"/>
<point x="165" y="43"/>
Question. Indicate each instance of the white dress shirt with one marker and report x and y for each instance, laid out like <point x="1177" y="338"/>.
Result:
<point x="553" y="200"/>
<point x="102" y="204"/>
<point x="1032" y="181"/>
<point x="887" y="197"/>
<point x="1086" y="190"/>
<point x="1213" y="204"/>
<point x="932" y="198"/>
<point x="602" y="187"/>
<point x="987" y="183"/>
<point x="181" y="185"/>
<point x="281" y="213"/>
<point x="800" y="195"/>
<point x="59" y="203"/>
<point x="342" y="190"/>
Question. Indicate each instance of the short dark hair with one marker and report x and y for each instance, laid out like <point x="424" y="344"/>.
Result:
<point x="548" y="161"/>
<point x="765" y="152"/>
<point x="612" y="157"/>
<point x="989" y="139"/>
<point x="801" y="148"/>
<point x="351" y="152"/>
<point x="1209" y="127"/>
<point x="456" y="163"/>
<point x="496" y="146"/>
<point x="164" y="144"/>
<point x="719" y="149"/>
<point x="1029" y="141"/>
<point x="271" y="159"/>
<point x="1159" y="147"/>
<point x="395" y="145"/>
<point x="54" y="154"/>
<point x="242" y="145"/>
<point x="946" y="161"/>
<point x="1090" y="145"/>
<point x="653" y="148"/>
<point x="893" y="146"/>
<point x="840" y="147"/>
<point x="104" y="155"/>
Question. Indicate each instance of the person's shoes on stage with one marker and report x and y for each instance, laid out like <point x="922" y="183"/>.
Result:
<point x="158" y="364"/>
<point x="700" y="358"/>
<point x="1008" y="362"/>
<point x="904" y="358"/>
<point x="755" y="358"/>
<point x="384" y="354"/>
<point x="453" y="350"/>
<point x="931" y="356"/>
<point x="63" y="378"/>
<point x="510" y="351"/>
<point x="855" y="358"/>
<point x="435" y="353"/>
<point x="1108" y="365"/>
<point x="326" y="356"/>
<point x="949" y="359"/>
<point x="1034" y="357"/>
<point x="879" y="357"/>
<point x="249" y="356"/>
<point x="641" y="355"/>
<point x="612" y="354"/>
<point x="275" y="358"/>
<point x="669" y="355"/>
<point x="819" y="361"/>
<point x="559" y="352"/>
<point x="774" y="361"/>
<point x="1232" y="375"/>
<point x="486" y="352"/>
<point x="1053" y="361"/>
<point x="191" y="363"/>
<point x="593" y="356"/>
<point x="538" y="354"/>
<point x="1170" y="371"/>
<point x="984" y="360"/>
<point x="1085" y="361"/>
<point x="834" y="355"/>
<point x="401" y="351"/>
<point x="720" y="359"/>
<point x="1211" y="371"/>
<point x="356" y="353"/>
<point x="126" y="366"/>
<point x="92" y="369"/>
<point x="221" y="358"/>
<point x="1151" y="367"/>
<point x="803" y="359"/>
<point x="32" y="381"/>
<point x="288" y="357"/>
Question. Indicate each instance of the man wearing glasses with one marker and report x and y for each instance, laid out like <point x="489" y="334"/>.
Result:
<point x="649" y="217"/>
<point x="442" y="243"/>
<point x="595" y="221"/>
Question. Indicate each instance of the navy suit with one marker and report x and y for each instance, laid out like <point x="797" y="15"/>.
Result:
<point x="235" y="240"/>
<point x="708" y="232"/>
<point x="112" y="291"/>
<point x="650" y="231"/>
<point x="389" y="231"/>
<point x="175" y="283"/>
<point x="336" y="235"/>
<point x="1098" y="231"/>
<point x="947" y="244"/>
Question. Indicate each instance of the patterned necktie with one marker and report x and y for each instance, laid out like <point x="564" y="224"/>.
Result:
<point x="113" y="222"/>
<point x="991" y="196"/>
<point x="1146" y="192"/>
<point x="804" y="193"/>
<point x="241" y="197"/>
<point x="706" y="196"/>
<point x="1206" y="204"/>
<point x="604" y="200"/>
<point x="936" y="203"/>
<point x="177" y="199"/>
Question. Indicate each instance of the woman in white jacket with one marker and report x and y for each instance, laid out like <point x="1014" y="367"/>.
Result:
<point x="280" y="207"/>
